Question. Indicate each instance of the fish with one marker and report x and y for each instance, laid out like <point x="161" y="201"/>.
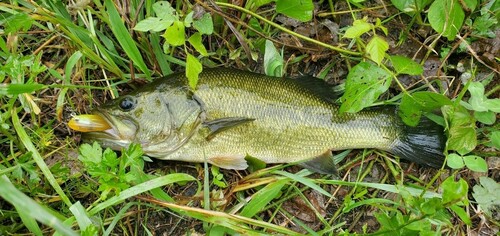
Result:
<point x="232" y="114"/>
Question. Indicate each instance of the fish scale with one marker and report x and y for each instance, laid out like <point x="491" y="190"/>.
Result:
<point x="234" y="113"/>
<point x="287" y="120"/>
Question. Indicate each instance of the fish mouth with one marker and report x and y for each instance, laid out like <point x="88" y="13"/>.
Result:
<point x="111" y="131"/>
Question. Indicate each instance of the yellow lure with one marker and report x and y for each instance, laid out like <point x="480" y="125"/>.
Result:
<point x="88" y="123"/>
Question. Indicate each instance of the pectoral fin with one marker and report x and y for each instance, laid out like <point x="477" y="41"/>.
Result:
<point x="321" y="164"/>
<point x="219" y="125"/>
<point x="229" y="162"/>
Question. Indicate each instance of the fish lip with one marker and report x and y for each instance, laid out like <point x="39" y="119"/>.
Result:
<point x="113" y="133"/>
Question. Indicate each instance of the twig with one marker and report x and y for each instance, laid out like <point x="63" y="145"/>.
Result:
<point x="45" y="44"/>
<point x="474" y="54"/>
<point x="334" y="48"/>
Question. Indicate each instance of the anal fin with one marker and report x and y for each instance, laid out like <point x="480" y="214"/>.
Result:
<point x="322" y="164"/>
<point x="235" y="162"/>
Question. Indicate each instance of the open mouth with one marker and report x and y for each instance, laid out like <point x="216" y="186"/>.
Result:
<point x="98" y="124"/>
<point x="89" y="123"/>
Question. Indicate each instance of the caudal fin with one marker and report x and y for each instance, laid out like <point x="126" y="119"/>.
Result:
<point x="423" y="144"/>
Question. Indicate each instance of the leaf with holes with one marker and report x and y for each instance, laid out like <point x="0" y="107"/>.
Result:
<point x="476" y="163"/>
<point x="363" y="86"/>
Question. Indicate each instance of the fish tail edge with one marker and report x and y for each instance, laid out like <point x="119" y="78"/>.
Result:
<point x="423" y="144"/>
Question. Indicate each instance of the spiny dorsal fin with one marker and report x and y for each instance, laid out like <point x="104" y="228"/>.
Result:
<point x="219" y="125"/>
<point x="321" y="164"/>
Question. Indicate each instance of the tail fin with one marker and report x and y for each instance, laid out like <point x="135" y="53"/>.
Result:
<point x="423" y="144"/>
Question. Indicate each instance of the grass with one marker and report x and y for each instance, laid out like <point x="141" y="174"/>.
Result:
<point x="63" y="59"/>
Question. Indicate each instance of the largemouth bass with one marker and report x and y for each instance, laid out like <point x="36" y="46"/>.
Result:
<point x="232" y="114"/>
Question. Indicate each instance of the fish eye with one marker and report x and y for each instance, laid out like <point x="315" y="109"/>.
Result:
<point x="127" y="104"/>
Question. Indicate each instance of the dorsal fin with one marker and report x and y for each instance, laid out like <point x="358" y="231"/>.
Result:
<point x="318" y="87"/>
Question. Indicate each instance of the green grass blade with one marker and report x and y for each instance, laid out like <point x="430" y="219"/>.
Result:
<point x="81" y="216"/>
<point x="305" y="181"/>
<point x="161" y="57"/>
<point x="141" y="188"/>
<point x="261" y="198"/>
<point x="123" y="36"/>
<point x="23" y="136"/>
<point x="29" y="222"/>
<point x="67" y="80"/>
<point x="236" y="222"/>
<point x="118" y="217"/>
<point x="15" y="89"/>
<point x="158" y="193"/>
<point x="108" y="50"/>
<point x="31" y="208"/>
<point x="301" y="224"/>
<point x="385" y="187"/>
<point x="70" y="65"/>
<point x="84" y="39"/>
<point x="371" y="201"/>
